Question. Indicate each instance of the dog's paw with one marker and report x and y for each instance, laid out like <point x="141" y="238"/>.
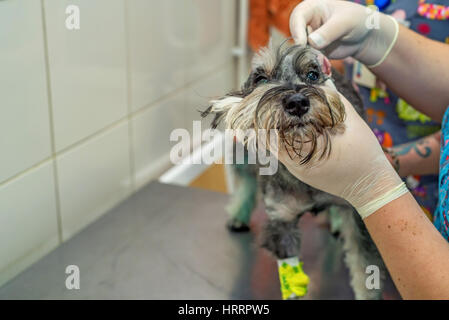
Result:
<point x="294" y="281"/>
<point x="235" y="225"/>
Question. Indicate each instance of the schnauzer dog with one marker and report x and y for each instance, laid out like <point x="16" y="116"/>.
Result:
<point x="293" y="90"/>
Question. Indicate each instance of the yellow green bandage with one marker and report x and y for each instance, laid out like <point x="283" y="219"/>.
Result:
<point x="293" y="279"/>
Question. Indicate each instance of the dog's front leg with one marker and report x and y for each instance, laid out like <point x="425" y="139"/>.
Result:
<point x="282" y="238"/>
<point x="243" y="199"/>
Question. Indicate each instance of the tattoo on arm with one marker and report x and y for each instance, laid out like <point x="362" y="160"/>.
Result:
<point x="418" y="146"/>
<point x="427" y="147"/>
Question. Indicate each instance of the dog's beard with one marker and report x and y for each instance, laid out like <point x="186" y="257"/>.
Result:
<point x="262" y="109"/>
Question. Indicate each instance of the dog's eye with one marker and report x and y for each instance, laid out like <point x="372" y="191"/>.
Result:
<point x="260" y="79"/>
<point x="313" y="76"/>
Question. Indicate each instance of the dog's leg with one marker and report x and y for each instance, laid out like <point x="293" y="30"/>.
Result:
<point x="282" y="238"/>
<point x="281" y="235"/>
<point x="360" y="252"/>
<point x="243" y="199"/>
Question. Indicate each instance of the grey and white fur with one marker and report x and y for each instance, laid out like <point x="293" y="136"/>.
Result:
<point x="292" y="89"/>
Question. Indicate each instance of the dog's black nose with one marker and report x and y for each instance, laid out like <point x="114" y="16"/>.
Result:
<point x="297" y="104"/>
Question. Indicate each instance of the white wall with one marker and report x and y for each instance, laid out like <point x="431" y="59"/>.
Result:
<point x="85" y="115"/>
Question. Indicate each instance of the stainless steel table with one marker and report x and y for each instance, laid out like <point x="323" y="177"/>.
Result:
<point x="170" y="242"/>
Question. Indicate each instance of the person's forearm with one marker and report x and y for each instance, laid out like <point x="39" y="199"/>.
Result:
<point x="419" y="157"/>
<point x="417" y="69"/>
<point x="414" y="252"/>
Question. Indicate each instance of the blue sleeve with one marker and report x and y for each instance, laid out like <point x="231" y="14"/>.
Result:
<point x="441" y="220"/>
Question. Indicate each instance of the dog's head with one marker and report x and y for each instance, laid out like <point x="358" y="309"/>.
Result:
<point x="289" y="90"/>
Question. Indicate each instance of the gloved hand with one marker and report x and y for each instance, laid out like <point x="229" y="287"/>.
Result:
<point x="356" y="170"/>
<point x="343" y="29"/>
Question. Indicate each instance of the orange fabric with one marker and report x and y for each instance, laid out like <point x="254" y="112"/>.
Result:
<point x="266" y="13"/>
<point x="276" y="13"/>
<point x="339" y="65"/>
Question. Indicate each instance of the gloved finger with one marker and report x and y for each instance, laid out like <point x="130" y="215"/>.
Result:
<point x="300" y="18"/>
<point x="336" y="51"/>
<point x="332" y="30"/>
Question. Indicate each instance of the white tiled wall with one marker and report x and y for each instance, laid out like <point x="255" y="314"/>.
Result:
<point x="207" y="46"/>
<point x="157" y="60"/>
<point x="151" y="156"/>
<point x="24" y="119"/>
<point x="93" y="177"/>
<point x="28" y="219"/>
<point x="86" y="114"/>
<point x="87" y="68"/>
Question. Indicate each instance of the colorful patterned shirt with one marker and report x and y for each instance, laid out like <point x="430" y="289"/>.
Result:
<point x="393" y="120"/>
<point x="441" y="219"/>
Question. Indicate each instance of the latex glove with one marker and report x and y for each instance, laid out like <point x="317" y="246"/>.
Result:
<point x="356" y="170"/>
<point x="343" y="29"/>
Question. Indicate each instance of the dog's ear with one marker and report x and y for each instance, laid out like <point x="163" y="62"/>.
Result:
<point x="220" y="107"/>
